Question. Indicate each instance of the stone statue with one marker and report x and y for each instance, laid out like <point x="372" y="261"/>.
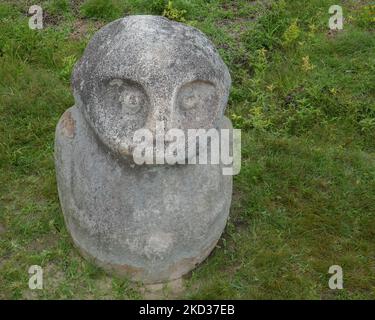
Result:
<point x="152" y="223"/>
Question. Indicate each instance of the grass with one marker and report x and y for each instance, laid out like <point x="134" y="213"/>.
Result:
<point x="304" y="98"/>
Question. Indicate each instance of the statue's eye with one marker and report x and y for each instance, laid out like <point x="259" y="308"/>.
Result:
<point x="196" y="95"/>
<point x="131" y="101"/>
<point x="189" y="100"/>
<point x="128" y="96"/>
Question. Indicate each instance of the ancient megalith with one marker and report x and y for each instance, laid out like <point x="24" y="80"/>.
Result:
<point x="151" y="222"/>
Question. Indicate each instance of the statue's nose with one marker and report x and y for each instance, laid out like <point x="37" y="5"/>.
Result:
<point x="160" y="119"/>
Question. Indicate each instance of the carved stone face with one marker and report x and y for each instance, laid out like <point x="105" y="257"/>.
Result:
<point x="140" y="70"/>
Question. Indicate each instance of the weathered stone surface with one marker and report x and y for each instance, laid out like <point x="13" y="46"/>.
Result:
<point x="151" y="222"/>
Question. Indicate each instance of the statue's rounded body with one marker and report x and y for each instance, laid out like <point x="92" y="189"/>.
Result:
<point x="152" y="223"/>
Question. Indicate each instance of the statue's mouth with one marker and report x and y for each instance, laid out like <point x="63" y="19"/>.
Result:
<point x="192" y="146"/>
<point x="160" y="152"/>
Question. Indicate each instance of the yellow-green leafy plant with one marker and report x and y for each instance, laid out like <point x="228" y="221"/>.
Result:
<point x="68" y="64"/>
<point x="291" y="34"/>
<point x="366" y="17"/>
<point x="173" y="13"/>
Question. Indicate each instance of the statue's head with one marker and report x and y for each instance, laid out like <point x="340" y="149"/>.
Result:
<point x="141" y="70"/>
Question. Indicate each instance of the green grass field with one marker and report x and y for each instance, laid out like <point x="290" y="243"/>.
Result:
<point x="304" y="97"/>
